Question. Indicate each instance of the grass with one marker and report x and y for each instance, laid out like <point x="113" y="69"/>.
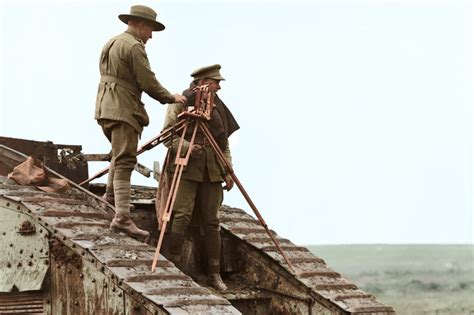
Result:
<point x="414" y="279"/>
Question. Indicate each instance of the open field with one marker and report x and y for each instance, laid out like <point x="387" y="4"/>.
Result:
<point x="414" y="279"/>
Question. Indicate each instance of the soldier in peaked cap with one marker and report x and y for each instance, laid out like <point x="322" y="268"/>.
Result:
<point x="209" y="72"/>
<point x="125" y="73"/>
<point x="200" y="189"/>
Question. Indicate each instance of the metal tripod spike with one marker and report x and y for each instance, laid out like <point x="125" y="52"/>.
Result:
<point x="202" y="112"/>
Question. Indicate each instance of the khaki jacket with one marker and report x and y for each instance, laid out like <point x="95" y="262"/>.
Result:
<point x="125" y="73"/>
<point x="207" y="161"/>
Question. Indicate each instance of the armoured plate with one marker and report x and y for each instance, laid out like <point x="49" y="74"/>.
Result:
<point x="24" y="247"/>
<point x="97" y="271"/>
<point x="109" y="273"/>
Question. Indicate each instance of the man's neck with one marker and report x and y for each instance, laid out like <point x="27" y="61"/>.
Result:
<point x="132" y="31"/>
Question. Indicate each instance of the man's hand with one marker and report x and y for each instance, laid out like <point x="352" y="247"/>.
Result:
<point x="229" y="182"/>
<point x="196" y="150"/>
<point x="178" y="98"/>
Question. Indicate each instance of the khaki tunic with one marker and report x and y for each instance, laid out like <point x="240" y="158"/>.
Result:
<point x="200" y="187"/>
<point x="206" y="161"/>
<point x="125" y="74"/>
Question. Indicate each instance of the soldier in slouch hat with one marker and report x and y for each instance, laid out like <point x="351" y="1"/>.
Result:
<point x="126" y="73"/>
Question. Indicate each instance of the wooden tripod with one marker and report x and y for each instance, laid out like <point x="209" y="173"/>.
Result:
<point x="201" y="113"/>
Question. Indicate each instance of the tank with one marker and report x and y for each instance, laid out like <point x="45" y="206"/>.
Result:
<point x="60" y="257"/>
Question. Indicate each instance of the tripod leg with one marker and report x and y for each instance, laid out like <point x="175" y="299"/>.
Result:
<point x="181" y="163"/>
<point x="222" y="159"/>
<point x="165" y="134"/>
<point x="166" y="215"/>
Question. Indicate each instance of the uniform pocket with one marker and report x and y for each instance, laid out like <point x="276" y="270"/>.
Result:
<point x="140" y="113"/>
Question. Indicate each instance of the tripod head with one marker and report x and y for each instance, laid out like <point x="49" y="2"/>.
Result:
<point x="202" y="99"/>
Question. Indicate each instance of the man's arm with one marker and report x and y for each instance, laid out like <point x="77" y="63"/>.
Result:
<point x="229" y="183"/>
<point x="227" y="154"/>
<point x="146" y="78"/>
<point x="171" y="118"/>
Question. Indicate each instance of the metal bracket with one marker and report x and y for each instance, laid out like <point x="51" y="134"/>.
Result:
<point x="26" y="228"/>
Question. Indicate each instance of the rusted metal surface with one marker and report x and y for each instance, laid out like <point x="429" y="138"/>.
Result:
<point x="22" y="303"/>
<point x="26" y="228"/>
<point x="65" y="159"/>
<point x="101" y="266"/>
<point x="325" y="285"/>
<point x="24" y="260"/>
<point x="250" y="258"/>
<point x="119" y="263"/>
<point x="96" y="271"/>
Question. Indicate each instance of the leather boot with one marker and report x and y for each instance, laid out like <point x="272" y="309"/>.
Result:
<point x="214" y="277"/>
<point x="215" y="280"/>
<point x="123" y="223"/>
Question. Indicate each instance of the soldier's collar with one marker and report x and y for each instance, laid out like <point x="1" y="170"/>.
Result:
<point x="131" y="32"/>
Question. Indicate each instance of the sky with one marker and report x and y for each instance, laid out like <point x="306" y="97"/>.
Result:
<point x="356" y="116"/>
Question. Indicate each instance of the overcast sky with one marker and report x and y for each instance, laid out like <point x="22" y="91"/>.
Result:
<point x="356" y="116"/>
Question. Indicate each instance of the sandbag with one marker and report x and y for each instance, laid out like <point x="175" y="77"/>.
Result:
<point x="32" y="172"/>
